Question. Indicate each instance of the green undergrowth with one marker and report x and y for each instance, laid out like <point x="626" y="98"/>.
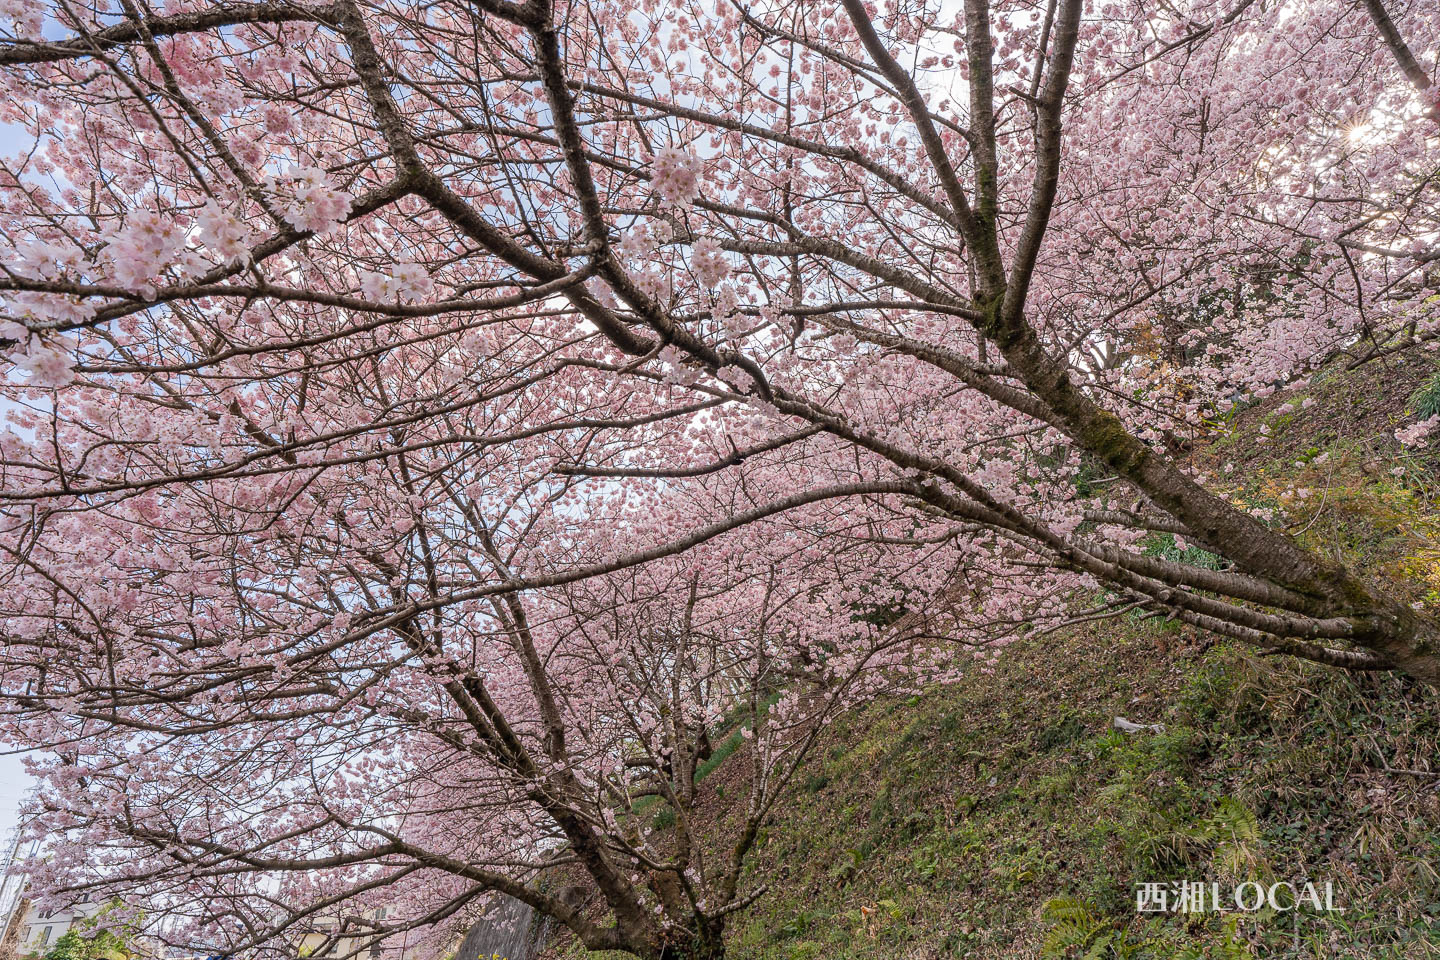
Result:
<point x="943" y="826"/>
<point x="1333" y="475"/>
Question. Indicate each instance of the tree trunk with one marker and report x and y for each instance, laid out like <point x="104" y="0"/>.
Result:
<point x="1390" y="631"/>
<point x="706" y="944"/>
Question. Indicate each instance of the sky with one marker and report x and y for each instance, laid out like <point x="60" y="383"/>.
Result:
<point x="13" y="784"/>
<point x="13" y="780"/>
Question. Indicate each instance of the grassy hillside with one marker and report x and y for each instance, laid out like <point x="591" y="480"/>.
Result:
<point x="1004" y="817"/>
<point x="940" y="827"/>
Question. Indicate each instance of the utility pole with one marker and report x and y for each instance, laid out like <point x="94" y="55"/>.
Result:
<point x="12" y="880"/>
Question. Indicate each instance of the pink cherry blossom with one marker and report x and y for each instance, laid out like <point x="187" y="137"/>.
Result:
<point x="309" y="201"/>
<point x="141" y="246"/>
<point x="675" y="175"/>
<point x="428" y="428"/>
<point x="46" y="366"/>
<point x="223" y="234"/>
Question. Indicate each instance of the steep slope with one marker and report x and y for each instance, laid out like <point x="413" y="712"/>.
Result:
<point x="940" y="827"/>
<point x="1004" y="816"/>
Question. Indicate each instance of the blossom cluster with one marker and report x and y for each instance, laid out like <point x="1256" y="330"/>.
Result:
<point x="308" y="200"/>
<point x="675" y="176"/>
<point x="402" y="282"/>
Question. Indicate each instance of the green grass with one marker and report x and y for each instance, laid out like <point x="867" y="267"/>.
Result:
<point x="972" y="809"/>
<point x="1426" y="400"/>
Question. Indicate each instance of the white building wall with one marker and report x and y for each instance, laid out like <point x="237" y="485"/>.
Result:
<point x="40" y="929"/>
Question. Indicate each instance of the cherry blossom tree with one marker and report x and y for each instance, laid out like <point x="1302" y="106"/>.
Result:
<point x="427" y="421"/>
<point x="404" y="668"/>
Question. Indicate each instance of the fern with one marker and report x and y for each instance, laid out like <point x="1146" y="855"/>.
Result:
<point x="1079" y="931"/>
<point x="1235" y="830"/>
<point x="1075" y="928"/>
<point x="1234" y="821"/>
<point x="1057" y="909"/>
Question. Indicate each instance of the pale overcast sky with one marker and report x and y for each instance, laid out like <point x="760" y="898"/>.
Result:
<point x="13" y="781"/>
<point x="13" y="784"/>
